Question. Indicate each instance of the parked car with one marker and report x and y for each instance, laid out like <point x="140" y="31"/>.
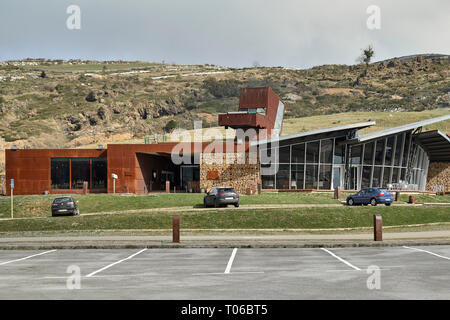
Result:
<point x="221" y="196"/>
<point x="372" y="196"/>
<point x="63" y="206"/>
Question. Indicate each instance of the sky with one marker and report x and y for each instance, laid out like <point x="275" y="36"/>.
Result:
<point x="233" y="33"/>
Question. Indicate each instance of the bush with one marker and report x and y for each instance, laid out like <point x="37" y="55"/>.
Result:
<point x="43" y="74"/>
<point x="222" y="88"/>
<point x="91" y="97"/>
<point x="170" y="126"/>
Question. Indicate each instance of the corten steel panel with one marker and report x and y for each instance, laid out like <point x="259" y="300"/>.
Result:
<point x="30" y="168"/>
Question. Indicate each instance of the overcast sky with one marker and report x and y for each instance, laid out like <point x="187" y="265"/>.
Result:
<point x="288" y="33"/>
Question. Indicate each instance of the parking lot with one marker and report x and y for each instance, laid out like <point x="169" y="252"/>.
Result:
<point x="300" y="273"/>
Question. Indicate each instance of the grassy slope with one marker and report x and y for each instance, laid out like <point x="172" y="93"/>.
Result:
<point x="298" y="218"/>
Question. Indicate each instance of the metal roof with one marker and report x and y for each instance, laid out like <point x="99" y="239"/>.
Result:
<point x="406" y="127"/>
<point x="436" y="144"/>
<point x="351" y="126"/>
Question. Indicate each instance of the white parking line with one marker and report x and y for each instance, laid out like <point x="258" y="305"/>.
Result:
<point x="230" y="262"/>
<point x="113" y="264"/>
<point x="434" y="254"/>
<point x="340" y="259"/>
<point x="25" y="258"/>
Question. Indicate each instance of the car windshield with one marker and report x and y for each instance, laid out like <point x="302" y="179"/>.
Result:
<point x="61" y="200"/>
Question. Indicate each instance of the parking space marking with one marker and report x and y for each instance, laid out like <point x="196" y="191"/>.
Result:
<point x="114" y="263"/>
<point x="25" y="258"/>
<point x="340" y="259"/>
<point x="230" y="262"/>
<point x="434" y="254"/>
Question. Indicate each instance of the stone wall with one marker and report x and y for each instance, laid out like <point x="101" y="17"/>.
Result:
<point x="438" y="175"/>
<point x="217" y="170"/>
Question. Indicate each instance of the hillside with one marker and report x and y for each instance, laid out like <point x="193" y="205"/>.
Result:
<point x="75" y="103"/>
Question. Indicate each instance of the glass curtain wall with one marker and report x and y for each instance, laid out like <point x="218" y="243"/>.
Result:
<point x="71" y="173"/>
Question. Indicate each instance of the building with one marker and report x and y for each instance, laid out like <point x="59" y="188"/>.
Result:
<point x="403" y="157"/>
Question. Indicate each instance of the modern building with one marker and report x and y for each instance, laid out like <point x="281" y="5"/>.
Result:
<point x="403" y="157"/>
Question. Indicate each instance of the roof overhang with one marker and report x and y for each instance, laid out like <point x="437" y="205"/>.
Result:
<point x="436" y="144"/>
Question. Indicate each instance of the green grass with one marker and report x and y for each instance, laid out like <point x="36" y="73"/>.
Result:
<point x="289" y="218"/>
<point x="39" y="205"/>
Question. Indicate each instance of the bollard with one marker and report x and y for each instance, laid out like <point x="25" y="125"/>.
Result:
<point x="377" y="227"/>
<point x="411" y="200"/>
<point x="337" y="193"/>
<point x="397" y="196"/>
<point x="167" y="186"/>
<point x="85" y="187"/>
<point x="176" y="228"/>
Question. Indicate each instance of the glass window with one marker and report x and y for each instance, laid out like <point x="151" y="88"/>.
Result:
<point x="312" y="152"/>
<point x="386" y="176"/>
<point x="339" y="154"/>
<point x="298" y="153"/>
<point x="395" y="177"/>
<point x="80" y="172"/>
<point x="365" y="182"/>
<point x="284" y="154"/>
<point x="368" y="153"/>
<point x="376" y="181"/>
<point x="326" y="151"/>
<point x="311" y="176"/>
<point x="268" y="182"/>
<point x="325" y="177"/>
<point x="283" y="177"/>
<point x="389" y="151"/>
<point x="297" y="172"/>
<point x="60" y="173"/>
<point x="406" y="150"/>
<point x="398" y="149"/>
<point x="355" y="174"/>
<point x="99" y="173"/>
<point x="355" y="154"/>
<point x="402" y="174"/>
<point x="379" y="149"/>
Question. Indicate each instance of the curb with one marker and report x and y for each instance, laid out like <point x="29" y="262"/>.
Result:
<point x="217" y="244"/>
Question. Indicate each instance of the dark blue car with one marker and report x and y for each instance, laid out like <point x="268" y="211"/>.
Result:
<point x="371" y="196"/>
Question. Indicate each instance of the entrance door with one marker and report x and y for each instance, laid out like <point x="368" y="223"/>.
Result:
<point x="355" y="178"/>
<point x="338" y="177"/>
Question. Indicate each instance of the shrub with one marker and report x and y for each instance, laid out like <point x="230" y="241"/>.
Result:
<point x="91" y="97"/>
<point x="170" y="126"/>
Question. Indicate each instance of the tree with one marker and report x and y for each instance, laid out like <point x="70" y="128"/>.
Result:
<point x="170" y="126"/>
<point x="366" y="55"/>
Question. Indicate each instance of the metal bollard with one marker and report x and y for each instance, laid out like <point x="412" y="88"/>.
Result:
<point x="411" y="200"/>
<point x="337" y="193"/>
<point x="176" y="228"/>
<point x="377" y="227"/>
<point x="167" y="186"/>
<point x="397" y="196"/>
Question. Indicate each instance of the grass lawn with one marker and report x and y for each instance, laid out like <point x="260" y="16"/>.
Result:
<point x="39" y="205"/>
<point x="341" y="217"/>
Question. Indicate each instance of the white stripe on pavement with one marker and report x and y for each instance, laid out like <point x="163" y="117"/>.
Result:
<point x="434" y="254"/>
<point x="113" y="264"/>
<point x="340" y="259"/>
<point x="230" y="262"/>
<point x="28" y="257"/>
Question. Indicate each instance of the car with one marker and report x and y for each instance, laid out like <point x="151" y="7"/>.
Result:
<point x="372" y="196"/>
<point x="221" y="196"/>
<point x="63" y="206"/>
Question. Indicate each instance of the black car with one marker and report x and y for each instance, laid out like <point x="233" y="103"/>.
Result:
<point x="221" y="196"/>
<point x="63" y="206"/>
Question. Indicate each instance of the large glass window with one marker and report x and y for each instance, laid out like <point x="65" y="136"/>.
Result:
<point x="312" y="152"/>
<point x="339" y="154"/>
<point x="325" y="177"/>
<point x="379" y="150"/>
<point x="365" y="181"/>
<point x="99" y="173"/>
<point x="298" y="153"/>
<point x="398" y="149"/>
<point x="389" y="151"/>
<point x="368" y="153"/>
<point x="395" y="175"/>
<point x="386" y="176"/>
<point x="284" y="154"/>
<point x="80" y="172"/>
<point x="376" y="181"/>
<point x="297" y="172"/>
<point x="268" y="182"/>
<point x="60" y="173"/>
<point x="406" y="150"/>
<point x="326" y="151"/>
<point x="355" y="154"/>
<point x="283" y="177"/>
<point x="311" y="176"/>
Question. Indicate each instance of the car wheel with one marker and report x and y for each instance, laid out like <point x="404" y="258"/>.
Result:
<point x="373" y="202"/>
<point x="236" y="205"/>
<point x="204" y="204"/>
<point x="350" y="202"/>
<point x="216" y="205"/>
<point x="387" y="204"/>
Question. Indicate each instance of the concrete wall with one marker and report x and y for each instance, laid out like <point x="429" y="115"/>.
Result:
<point x="234" y="172"/>
<point x="438" y="175"/>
